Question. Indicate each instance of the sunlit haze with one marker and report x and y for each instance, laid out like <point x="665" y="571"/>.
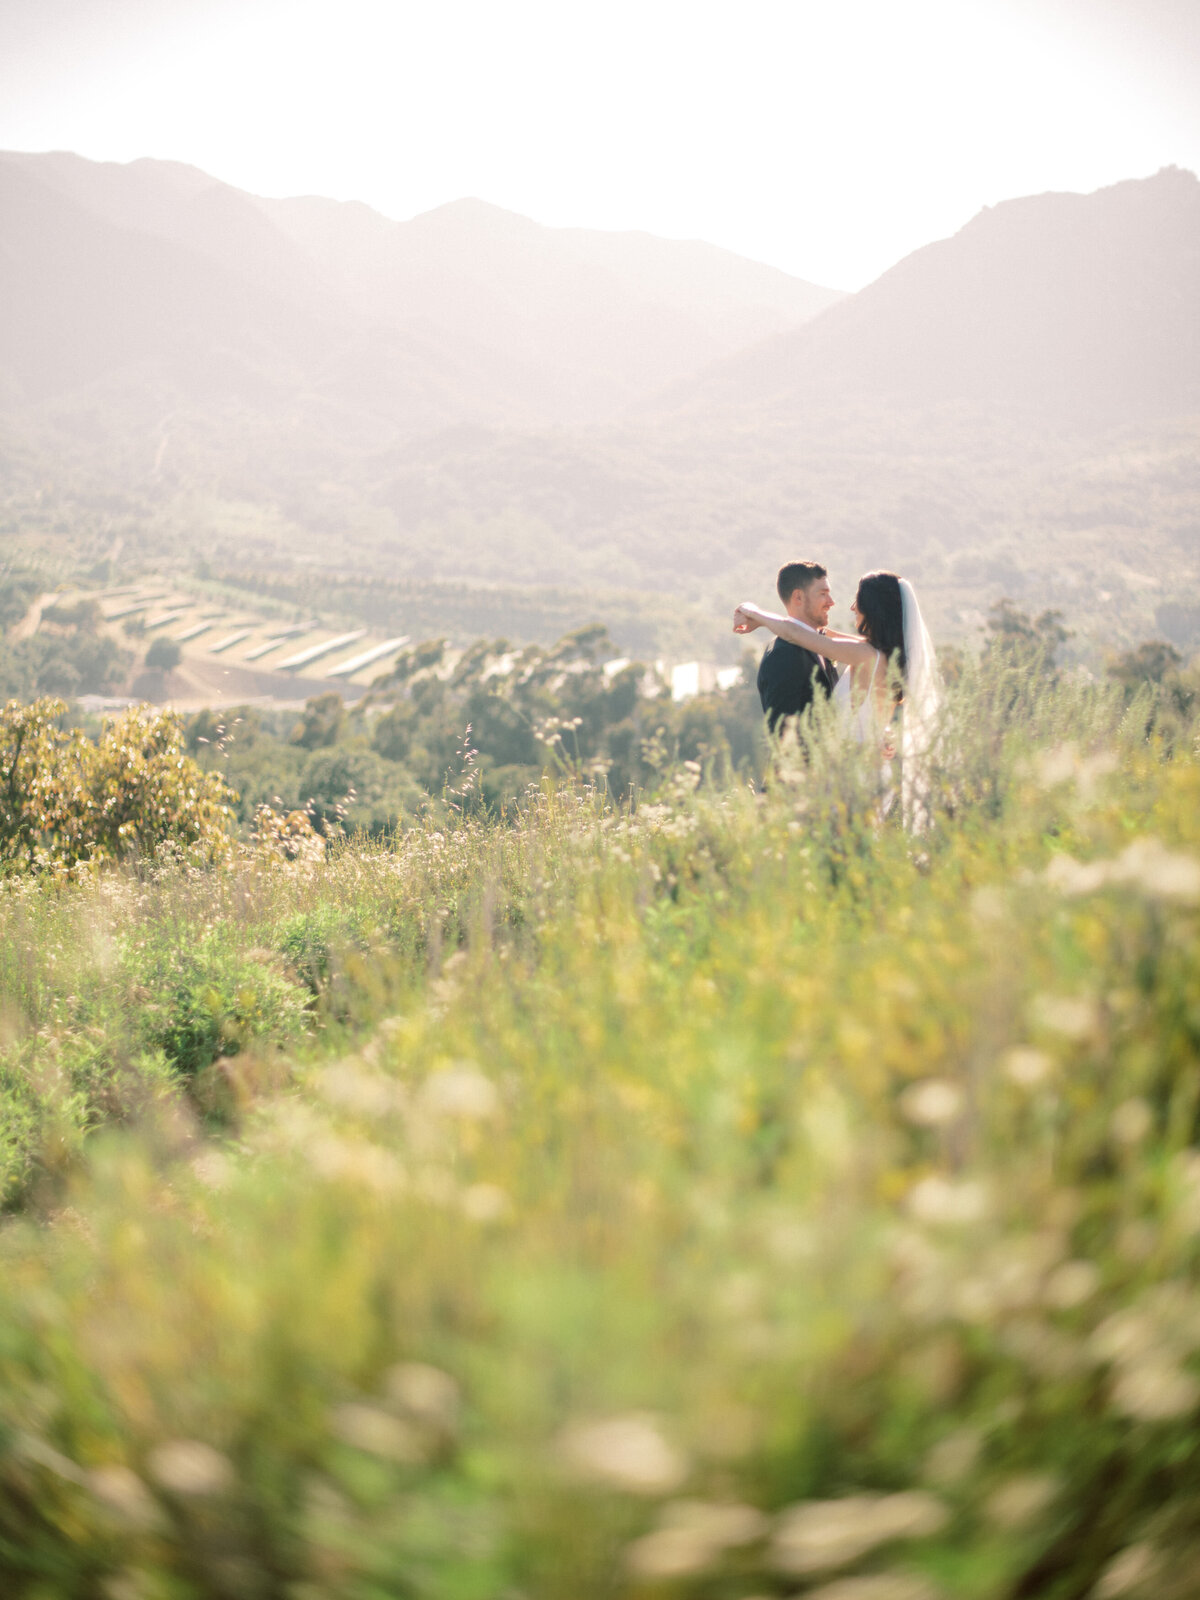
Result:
<point x="827" y="140"/>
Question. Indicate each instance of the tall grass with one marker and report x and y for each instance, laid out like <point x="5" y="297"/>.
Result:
<point x="732" y="1195"/>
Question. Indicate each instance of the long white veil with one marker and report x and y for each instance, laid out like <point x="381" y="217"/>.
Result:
<point x="922" y="704"/>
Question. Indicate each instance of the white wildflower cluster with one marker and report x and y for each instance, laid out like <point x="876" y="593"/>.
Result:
<point x="414" y="1420"/>
<point x="692" y="1535"/>
<point x="126" y="1497"/>
<point x="287" y="837"/>
<point x="1022" y="1499"/>
<point x="948" y="1202"/>
<point x="1027" y="1067"/>
<point x="820" y="1536"/>
<point x="552" y="730"/>
<point x="1018" y="1283"/>
<point x="876" y="1586"/>
<point x="426" y="1124"/>
<point x="629" y="1452"/>
<point x="462" y="1091"/>
<point x="1067" y="764"/>
<point x="1072" y="1017"/>
<point x="1146" y="867"/>
<point x="1146" y="1346"/>
<point x="932" y="1103"/>
<point x="189" y="1467"/>
<point x="1127" y="1573"/>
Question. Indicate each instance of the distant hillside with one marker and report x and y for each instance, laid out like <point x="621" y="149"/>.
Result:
<point x="1082" y="307"/>
<point x="460" y="422"/>
<point x="136" y="324"/>
<point x="465" y="313"/>
<point x="575" y="321"/>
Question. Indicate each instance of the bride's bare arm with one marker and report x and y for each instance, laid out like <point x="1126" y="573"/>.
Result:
<point x="851" y="652"/>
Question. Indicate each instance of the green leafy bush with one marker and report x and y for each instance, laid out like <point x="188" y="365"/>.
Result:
<point x="164" y="655"/>
<point x="65" y="799"/>
<point x="209" y="999"/>
<point x="310" y="942"/>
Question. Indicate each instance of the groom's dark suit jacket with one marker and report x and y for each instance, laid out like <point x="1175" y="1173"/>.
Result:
<point x="788" y="677"/>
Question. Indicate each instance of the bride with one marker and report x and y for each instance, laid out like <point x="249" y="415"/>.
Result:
<point x="891" y="633"/>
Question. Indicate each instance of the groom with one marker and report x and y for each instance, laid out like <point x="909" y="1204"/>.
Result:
<point x="789" y="677"/>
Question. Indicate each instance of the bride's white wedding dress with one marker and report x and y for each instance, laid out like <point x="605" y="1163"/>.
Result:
<point x="918" y="713"/>
<point x="857" y="713"/>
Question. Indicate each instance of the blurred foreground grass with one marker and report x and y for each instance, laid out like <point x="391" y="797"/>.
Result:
<point x="733" y="1198"/>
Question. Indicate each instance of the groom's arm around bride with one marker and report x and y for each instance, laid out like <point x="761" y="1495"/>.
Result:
<point x="788" y="676"/>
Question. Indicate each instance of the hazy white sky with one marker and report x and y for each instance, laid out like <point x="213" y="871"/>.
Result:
<point x="829" y="137"/>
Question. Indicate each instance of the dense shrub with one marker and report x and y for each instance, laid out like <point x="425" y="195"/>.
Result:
<point x="207" y="999"/>
<point x="310" y="942"/>
<point x="164" y="655"/>
<point x="65" y="799"/>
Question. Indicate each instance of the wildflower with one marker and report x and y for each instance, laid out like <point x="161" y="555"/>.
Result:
<point x="1146" y="865"/>
<point x="939" y="1200"/>
<point x="1022" y="1499"/>
<point x="346" y="1085"/>
<point x="461" y="1091"/>
<point x="989" y="905"/>
<point x="975" y="1299"/>
<point x="1046" y="1351"/>
<point x="484" y="1202"/>
<point x="356" y="1161"/>
<point x="820" y="1535"/>
<point x="1164" y="874"/>
<point x="190" y="1467"/>
<point x="1066" y="765"/>
<point x="876" y="1586"/>
<point x="1124" y="1336"/>
<point x="1070" y="1284"/>
<point x="1144" y="1344"/>
<point x="213" y="1168"/>
<point x="1027" y="1067"/>
<point x="670" y="1553"/>
<point x="692" y="1535"/>
<point x="1131" y="1122"/>
<point x="378" y="1433"/>
<point x="1072" y="1016"/>
<point x="726" y="1524"/>
<point x="1125" y="1572"/>
<point x="1074" y="878"/>
<point x="1155" y="1390"/>
<point x="122" y="1492"/>
<point x="626" y="1452"/>
<point x="931" y="1103"/>
<point x="425" y="1393"/>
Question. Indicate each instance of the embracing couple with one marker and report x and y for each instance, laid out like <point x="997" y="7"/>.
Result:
<point x="889" y="668"/>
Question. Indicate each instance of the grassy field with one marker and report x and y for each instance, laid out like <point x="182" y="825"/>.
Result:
<point x="732" y="1196"/>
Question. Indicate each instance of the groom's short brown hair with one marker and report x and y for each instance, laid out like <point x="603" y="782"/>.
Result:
<point x="795" y="575"/>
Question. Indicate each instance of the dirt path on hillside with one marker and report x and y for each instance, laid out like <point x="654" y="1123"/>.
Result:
<point x="31" y="621"/>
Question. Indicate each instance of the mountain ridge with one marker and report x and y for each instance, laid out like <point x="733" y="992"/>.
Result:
<point x="1083" y="306"/>
<point x="1014" y="410"/>
<point x="541" y="327"/>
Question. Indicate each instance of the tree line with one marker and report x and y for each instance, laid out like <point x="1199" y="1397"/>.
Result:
<point x="443" y="732"/>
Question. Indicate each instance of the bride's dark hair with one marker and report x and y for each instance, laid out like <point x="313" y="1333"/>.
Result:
<point x="881" y="616"/>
